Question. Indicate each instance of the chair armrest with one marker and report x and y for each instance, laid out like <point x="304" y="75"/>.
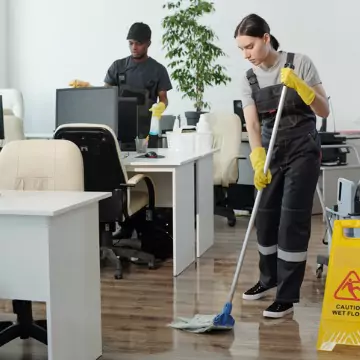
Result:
<point x="149" y="184"/>
<point x="226" y="173"/>
<point x="122" y="193"/>
<point x="126" y="186"/>
<point x="122" y="198"/>
<point x="136" y="179"/>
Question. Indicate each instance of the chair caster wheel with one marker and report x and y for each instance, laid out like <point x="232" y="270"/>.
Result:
<point x="319" y="271"/>
<point x="118" y="276"/>
<point x="232" y="222"/>
<point x="151" y="265"/>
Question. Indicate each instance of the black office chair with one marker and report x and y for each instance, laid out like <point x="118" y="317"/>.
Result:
<point x="103" y="171"/>
<point x="25" y="327"/>
<point x="222" y="205"/>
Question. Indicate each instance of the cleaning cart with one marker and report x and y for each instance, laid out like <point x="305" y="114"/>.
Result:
<point x="347" y="207"/>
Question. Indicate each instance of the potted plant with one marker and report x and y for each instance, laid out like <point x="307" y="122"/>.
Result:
<point x="192" y="53"/>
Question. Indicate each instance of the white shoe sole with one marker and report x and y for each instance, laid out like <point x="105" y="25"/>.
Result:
<point x="257" y="296"/>
<point x="277" y="315"/>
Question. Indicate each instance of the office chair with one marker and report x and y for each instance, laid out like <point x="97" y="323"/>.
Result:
<point x="13" y="101"/>
<point x="36" y="165"/>
<point x="13" y="128"/>
<point x="104" y="171"/>
<point x="226" y="129"/>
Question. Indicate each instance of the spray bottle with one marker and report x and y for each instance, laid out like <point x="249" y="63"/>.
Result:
<point x="154" y="132"/>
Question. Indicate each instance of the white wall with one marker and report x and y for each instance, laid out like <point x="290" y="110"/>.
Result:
<point x="55" y="41"/>
<point x="3" y="44"/>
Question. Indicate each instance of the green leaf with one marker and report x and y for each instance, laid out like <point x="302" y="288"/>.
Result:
<point x="191" y="51"/>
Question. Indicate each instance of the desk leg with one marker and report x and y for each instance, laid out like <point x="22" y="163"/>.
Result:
<point x="74" y="305"/>
<point x="204" y="205"/>
<point x="183" y="217"/>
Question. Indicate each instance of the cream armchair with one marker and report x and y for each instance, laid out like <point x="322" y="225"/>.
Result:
<point x="13" y="107"/>
<point x="36" y="165"/>
<point x="226" y="129"/>
<point x="13" y="128"/>
<point x="13" y="101"/>
<point x="40" y="165"/>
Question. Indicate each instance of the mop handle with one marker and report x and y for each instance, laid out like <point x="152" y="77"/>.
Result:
<point x="258" y="196"/>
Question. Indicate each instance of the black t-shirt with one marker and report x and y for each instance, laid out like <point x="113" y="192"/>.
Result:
<point x="149" y="74"/>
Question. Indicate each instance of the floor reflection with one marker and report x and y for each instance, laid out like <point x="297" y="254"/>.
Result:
<point x="137" y="309"/>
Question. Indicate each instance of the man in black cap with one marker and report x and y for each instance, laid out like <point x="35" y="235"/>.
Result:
<point x="141" y="71"/>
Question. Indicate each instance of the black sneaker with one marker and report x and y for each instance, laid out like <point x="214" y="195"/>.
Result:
<point x="278" y="310"/>
<point x="256" y="292"/>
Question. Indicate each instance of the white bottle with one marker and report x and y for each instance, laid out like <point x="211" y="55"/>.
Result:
<point x="177" y="124"/>
<point x="154" y="126"/>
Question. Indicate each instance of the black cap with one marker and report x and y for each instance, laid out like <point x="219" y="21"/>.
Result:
<point x="139" y="32"/>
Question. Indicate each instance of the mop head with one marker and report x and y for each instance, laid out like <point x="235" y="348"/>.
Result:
<point x="206" y="323"/>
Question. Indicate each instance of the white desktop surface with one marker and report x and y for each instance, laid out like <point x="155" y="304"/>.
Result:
<point x="171" y="157"/>
<point x="244" y="136"/>
<point x="45" y="203"/>
<point x="180" y="184"/>
<point x="50" y="252"/>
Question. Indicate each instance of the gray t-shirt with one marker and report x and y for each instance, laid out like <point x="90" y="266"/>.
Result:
<point x="304" y="68"/>
<point x="148" y="74"/>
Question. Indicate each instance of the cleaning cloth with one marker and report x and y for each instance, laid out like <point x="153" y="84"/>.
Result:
<point x="198" y="324"/>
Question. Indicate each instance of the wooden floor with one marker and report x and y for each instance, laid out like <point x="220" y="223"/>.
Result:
<point x="137" y="309"/>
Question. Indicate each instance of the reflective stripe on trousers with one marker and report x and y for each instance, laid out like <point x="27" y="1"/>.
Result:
<point x="282" y="254"/>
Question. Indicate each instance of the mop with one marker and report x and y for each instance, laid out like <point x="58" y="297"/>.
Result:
<point x="224" y="320"/>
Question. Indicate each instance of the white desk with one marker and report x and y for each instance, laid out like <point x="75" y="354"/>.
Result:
<point x="174" y="180"/>
<point x="177" y="181"/>
<point x="49" y="245"/>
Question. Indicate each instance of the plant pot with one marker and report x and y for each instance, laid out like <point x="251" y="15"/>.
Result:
<point x="193" y="117"/>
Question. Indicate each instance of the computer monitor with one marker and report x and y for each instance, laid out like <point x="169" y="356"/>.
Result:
<point x="238" y="110"/>
<point x="144" y="104"/>
<point x="2" y="130"/>
<point x="131" y="123"/>
<point x="127" y="122"/>
<point x="142" y="95"/>
<point x="93" y="105"/>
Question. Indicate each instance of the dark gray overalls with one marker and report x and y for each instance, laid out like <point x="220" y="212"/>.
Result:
<point x="284" y="218"/>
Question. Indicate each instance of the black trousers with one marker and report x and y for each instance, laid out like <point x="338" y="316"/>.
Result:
<point x="283" y="221"/>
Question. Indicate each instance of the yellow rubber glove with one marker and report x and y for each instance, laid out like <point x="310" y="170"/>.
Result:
<point x="291" y="80"/>
<point x="158" y="109"/>
<point x="79" y="83"/>
<point x="258" y="158"/>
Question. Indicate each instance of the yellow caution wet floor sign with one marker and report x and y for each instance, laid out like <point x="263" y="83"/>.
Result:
<point x="340" y="317"/>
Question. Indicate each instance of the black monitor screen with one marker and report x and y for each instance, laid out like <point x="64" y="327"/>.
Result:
<point x="238" y="110"/>
<point x="93" y="105"/>
<point x="129" y="93"/>
<point x="2" y="131"/>
<point x="127" y="120"/>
